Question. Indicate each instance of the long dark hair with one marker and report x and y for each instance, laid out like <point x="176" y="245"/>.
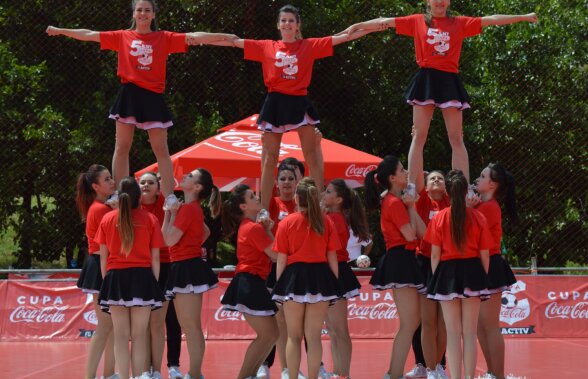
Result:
<point x="308" y="197"/>
<point x="457" y="188"/>
<point x="292" y="9"/>
<point x="505" y="190"/>
<point x="232" y="213"/>
<point x="353" y="209"/>
<point x="376" y="181"/>
<point x="429" y="15"/>
<point x="210" y="192"/>
<point x="129" y="198"/>
<point x="85" y="194"/>
<point x="155" y="10"/>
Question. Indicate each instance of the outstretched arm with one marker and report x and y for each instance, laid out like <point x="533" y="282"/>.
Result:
<point x="238" y="42"/>
<point x="344" y="37"/>
<point x="79" y="34"/>
<point x="501" y="19"/>
<point x="202" y="38"/>
<point x="375" y="25"/>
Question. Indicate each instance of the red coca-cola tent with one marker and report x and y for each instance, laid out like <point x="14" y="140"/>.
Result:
<point x="234" y="156"/>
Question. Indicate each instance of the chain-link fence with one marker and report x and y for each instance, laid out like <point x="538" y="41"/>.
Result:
<point x="527" y="82"/>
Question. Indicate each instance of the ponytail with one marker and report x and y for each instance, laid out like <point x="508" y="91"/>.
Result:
<point x="209" y="191"/>
<point x="85" y="194"/>
<point x="353" y="209"/>
<point x="376" y="181"/>
<point x="308" y="197"/>
<point x="231" y="210"/>
<point x="457" y="188"/>
<point x="505" y="190"/>
<point x="128" y="199"/>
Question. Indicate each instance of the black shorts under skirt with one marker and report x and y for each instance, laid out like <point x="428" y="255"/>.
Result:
<point x="435" y="87"/>
<point x="90" y="280"/>
<point x="281" y="113"/>
<point x="458" y="278"/>
<point x="397" y="268"/>
<point x="130" y="287"/>
<point x="348" y="281"/>
<point x="140" y="107"/>
<point x="248" y="294"/>
<point x="307" y="283"/>
<point x="500" y="275"/>
<point x="190" y="276"/>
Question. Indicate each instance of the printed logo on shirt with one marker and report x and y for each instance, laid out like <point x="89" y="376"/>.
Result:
<point x="289" y="64"/>
<point x="439" y="39"/>
<point x="144" y="52"/>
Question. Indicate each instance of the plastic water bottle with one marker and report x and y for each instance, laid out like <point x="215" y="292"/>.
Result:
<point x="263" y="215"/>
<point x="471" y="191"/>
<point x="410" y="190"/>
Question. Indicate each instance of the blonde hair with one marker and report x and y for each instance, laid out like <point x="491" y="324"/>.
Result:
<point x="308" y="197"/>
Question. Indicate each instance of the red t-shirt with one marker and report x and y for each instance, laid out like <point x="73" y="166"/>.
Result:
<point x="394" y="216"/>
<point x="147" y="236"/>
<point x="342" y="229"/>
<point x="279" y="209"/>
<point x="427" y="208"/>
<point x="439" y="46"/>
<point x="142" y="58"/>
<point x="190" y="220"/>
<point x="491" y="210"/>
<point x="477" y="235"/>
<point x="287" y="67"/>
<point x="93" y="218"/>
<point x="157" y="210"/>
<point x="252" y="240"/>
<point x="296" y="239"/>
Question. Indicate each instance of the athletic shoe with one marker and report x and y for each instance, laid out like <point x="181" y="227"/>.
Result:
<point x="432" y="374"/>
<point x="418" y="371"/>
<point x="285" y="374"/>
<point x="156" y="375"/>
<point x="323" y="374"/>
<point x="387" y="376"/>
<point x="441" y="372"/>
<point x="170" y="201"/>
<point x="489" y="375"/>
<point x="174" y="372"/>
<point x="145" y="375"/>
<point x="263" y="372"/>
<point x="113" y="376"/>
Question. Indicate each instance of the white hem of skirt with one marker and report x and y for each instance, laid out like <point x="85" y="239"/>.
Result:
<point x="142" y="125"/>
<point x="467" y="293"/>
<point x="90" y="291"/>
<point x="136" y="302"/>
<point x="449" y="104"/>
<point x="244" y="309"/>
<point x="189" y="289"/>
<point x="267" y="127"/>
<point x="396" y="286"/>
<point x="351" y="294"/>
<point x="308" y="298"/>
<point x="498" y="290"/>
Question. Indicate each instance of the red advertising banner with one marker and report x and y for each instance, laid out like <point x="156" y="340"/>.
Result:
<point x="537" y="306"/>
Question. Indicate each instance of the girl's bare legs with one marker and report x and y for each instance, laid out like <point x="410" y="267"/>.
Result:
<point x="441" y="335"/>
<point x="341" y="346"/>
<point x="158" y="140"/>
<point x="102" y="342"/>
<point x="314" y="319"/>
<point x="283" y="336"/>
<point x="269" y="160"/>
<point x="489" y="335"/>
<point x="470" y="309"/>
<point x="266" y="329"/>
<point x="459" y="155"/>
<point x="157" y="328"/>
<point x="121" y="321"/>
<point x="407" y="304"/>
<point x="452" y="316"/>
<point x="188" y="309"/>
<point x="122" y="147"/>
<point x="421" y="118"/>
<point x="310" y="149"/>
<point x="429" y="331"/>
<point x="294" y="314"/>
<point x="139" y="324"/>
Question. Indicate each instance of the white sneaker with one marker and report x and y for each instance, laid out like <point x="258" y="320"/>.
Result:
<point x="418" y="371"/>
<point x="323" y="374"/>
<point x="432" y="374"/>
<point x="387" y="376"/>
<point x="145" y="375"/>
<point x="113" y="376"/>
<point x="156" y="375"/>
<point x="263" y="372"/>
<point x="441" y="374"/>
<point x="489" y="375"/>
<point x="174" y="372"/>
<point x="285" y="374"/>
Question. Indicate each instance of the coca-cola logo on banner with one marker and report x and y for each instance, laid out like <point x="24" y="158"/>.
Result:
<point x="372" y="306"/>
<point x="39" y="309"/>
<point x="222" y="314"/>
<point x="515" y="309"/>
<point x="567" y="305"/>
<point x="358" y="171"/>
<point x="248" y="142"/>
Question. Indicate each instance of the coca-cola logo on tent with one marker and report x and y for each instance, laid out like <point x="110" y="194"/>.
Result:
<point x="248" y="142"/>
<point x="358" y="171"/>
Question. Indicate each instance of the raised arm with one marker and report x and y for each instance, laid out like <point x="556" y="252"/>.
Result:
<point x="501" y="19"/>
<point x="203" y="38"/>
<point x="79" y="34"/>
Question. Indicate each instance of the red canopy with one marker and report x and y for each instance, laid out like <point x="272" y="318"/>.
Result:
<point x="234" y="156"/>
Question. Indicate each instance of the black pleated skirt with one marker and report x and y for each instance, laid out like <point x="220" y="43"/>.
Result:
<point x="348" y="281"/>
<point x="130" y="287"/>
<point x="247" y="293"/>
<point x="189" y="276"/>
<point x="398" y="268"/>
<point x="307" y="283"/>
<point x="500" y="276"/>
<point x="143" y="108"/>
<point x="458" y="278"/>
<point x="435" y="87"/>
<point x="90" y="280"/>
<point x="281" y="113"/>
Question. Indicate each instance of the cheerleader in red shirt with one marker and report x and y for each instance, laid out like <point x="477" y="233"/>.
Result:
<point x="130" y="238"/>
<point x="495" y="186"/>
<point x="397" y="269"/>
<point x="142" y="57"/>
<point x="306" y="243"/>
<point x="459" y="260"/>
<point x="163" y="322"/>
<point x="345" y="209"/>
<point x="92" y="190"/>
<point x="247" y="292"/>
<point x="184" y="231"/>
<point x="287" y="72"/>
<point x="438" y="38"/>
